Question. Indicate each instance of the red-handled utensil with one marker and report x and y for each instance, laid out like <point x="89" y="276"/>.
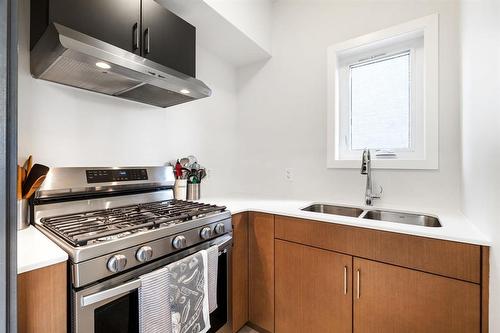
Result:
<point x="178" y="170"/>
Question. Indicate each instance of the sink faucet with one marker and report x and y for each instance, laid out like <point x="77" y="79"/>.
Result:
<point x="366" y="169"/>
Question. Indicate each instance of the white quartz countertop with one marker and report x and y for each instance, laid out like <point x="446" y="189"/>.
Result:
<point x="455" y="226"/>
<point x="35" y="250"/>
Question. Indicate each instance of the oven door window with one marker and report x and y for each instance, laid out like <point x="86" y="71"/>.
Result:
<point x="118" y="316"/>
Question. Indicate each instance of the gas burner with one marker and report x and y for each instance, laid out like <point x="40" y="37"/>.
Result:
<point x="110" y="224"/>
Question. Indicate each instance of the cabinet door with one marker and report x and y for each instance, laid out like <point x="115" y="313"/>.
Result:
<point x="261" y="270"/>
<point x="41" y="300"/>
<point x="168" y="39"/>
<point x="113" y="21"/>
<point x="391" y="299"/>
<point x="240" y="271"/>
<point x="313" y="289"/>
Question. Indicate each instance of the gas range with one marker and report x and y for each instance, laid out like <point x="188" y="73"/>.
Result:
<point x="112" y="220"/>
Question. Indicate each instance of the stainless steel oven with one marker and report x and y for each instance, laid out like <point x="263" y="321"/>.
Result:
<point x="117" y="224"/>
<point x="111" y="306"/>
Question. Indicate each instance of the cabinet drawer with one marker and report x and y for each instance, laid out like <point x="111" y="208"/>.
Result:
<point x="451" y="259"/>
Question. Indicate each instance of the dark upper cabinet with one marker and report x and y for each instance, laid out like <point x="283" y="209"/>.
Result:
<point x="158" y="34"/>
<point x="113" y="21"/>
<point x="168" y="39"/>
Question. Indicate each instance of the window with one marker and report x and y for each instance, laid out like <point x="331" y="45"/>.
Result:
<point x="380" y="103"/>
<point x="382" y="95"/>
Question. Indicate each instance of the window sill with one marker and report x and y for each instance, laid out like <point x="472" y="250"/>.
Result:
<point x="386" y="164"/>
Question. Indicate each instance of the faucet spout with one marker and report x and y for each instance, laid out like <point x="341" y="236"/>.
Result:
<point x="366" y="169"/>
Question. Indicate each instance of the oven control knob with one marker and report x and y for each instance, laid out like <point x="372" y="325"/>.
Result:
<point x="219" y="228"/>
<point x="144" y="254"/>
<point x="117" y="263"/>
<point x="206" y="233"/>
<point x="179" y="242"/>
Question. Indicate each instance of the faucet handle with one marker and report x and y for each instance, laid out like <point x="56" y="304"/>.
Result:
<point x="378" y="195"/>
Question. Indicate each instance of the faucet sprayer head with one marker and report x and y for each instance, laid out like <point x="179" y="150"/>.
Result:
<point x="364" y="161"/>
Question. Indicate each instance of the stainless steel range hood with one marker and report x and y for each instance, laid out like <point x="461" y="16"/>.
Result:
<point x="69" y="57"/>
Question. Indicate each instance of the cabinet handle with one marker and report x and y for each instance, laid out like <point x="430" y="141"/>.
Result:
<point x="345" y="280"/>
<point x="135" y="31"/>
<point x="358" y="276"/>
<point x="147" y="43"/>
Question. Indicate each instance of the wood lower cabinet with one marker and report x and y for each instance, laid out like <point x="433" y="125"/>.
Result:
<point x="392" y="299"/>
<point x="240" y="271"/>
<point x="313" y="290"/>
<point x="406" y="284"/>
<point x="41" y="300"/>
<point x="261" y="270"/>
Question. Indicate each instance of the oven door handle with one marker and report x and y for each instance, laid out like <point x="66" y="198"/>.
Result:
<point x="110" y="293"/>
<point x="223" y="242"/>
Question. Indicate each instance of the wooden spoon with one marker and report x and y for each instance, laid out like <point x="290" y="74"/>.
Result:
<point x="28" y="164"/>
<point x="36" y="186"/>
<point x="24" y="174"/>
<point x="19" y="182"/>
<point x="37" y="171"/>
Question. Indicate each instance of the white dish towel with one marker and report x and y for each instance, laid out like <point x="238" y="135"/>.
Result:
<point x="213" y="266"/>
<point x="154" y="307"/>
<point x="188" y="294"/>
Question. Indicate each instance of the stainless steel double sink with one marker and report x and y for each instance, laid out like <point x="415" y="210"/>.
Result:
<point x="376" y="214"/>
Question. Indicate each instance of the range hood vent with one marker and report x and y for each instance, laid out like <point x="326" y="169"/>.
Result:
<point x="69" y="57"/>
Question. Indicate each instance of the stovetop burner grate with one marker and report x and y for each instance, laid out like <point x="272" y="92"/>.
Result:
<point x="103" y="225"/>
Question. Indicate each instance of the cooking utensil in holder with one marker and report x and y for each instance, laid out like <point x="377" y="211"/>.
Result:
<point x="23" y="220"/>
<point x="180" y="189"/>
<point x="193" y="191"/>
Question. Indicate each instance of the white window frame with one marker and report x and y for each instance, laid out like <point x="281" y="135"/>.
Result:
<point x="424" y="150"/>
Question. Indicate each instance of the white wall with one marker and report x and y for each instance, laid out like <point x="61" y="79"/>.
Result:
<point x="481" y="128"/>
<point x="282" y="105"/>
<point x="63" y="126"/>
<point x="253" y="17"/>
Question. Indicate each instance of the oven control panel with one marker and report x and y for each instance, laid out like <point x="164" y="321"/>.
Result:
<point x="115" y="175"/>
<point x="89" y="271"/>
